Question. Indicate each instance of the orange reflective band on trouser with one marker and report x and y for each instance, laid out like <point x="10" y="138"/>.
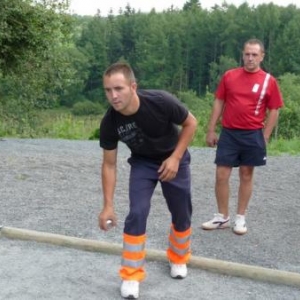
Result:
<point x="179" y="251"/>
<point x="133" y="257"/>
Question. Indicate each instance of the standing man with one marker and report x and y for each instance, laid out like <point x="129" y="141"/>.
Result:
<point x="248" y="100"/>
<point x="147" y="122"/>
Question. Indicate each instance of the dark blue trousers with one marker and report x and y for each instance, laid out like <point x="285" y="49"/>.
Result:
<point x="177" y="193"/>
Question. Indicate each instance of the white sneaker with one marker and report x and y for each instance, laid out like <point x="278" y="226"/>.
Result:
<point x="178" y="271"/>
<point x="130" y="289"/>
<point x="239" y="225"/>
<point x="217" y="222"/>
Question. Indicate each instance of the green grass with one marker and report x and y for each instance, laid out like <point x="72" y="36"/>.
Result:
<point x="67" y="126"/>
<point x="61" y="124"/>
<point x="284" y="147"/>
<point x="56" y="124"/>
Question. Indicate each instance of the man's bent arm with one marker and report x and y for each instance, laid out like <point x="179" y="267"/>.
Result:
<point x="189" y="127"/>
<point x="169" y="167"/>
<point x="270" y="123"/>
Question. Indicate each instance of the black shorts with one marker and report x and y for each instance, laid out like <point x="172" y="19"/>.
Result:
<point x="237" y="147"/>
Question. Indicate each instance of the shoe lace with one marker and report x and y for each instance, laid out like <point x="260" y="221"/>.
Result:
<point x="178" y="266"/>
<point x="240" y="222"/>
<point x="130" y="283"/>
<point x="218" y="218"/>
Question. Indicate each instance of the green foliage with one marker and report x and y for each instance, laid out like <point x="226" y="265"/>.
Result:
<point x="284" y="147"/>
<point x="96" y="95"/>
<point x="151" y="53"/>
<point x="32" y="60"/>
<point x="50" y="59"/>
<point x="95" y="135"/>
<point x="201" y="109"/>
<point x="62" y="124"/>
<point x="198" y="105"/>
<point x="93" y="45"/>
<point x="86" y="108"/>
<point x="218" y="69"/>
<point x="186" y="49"/>
<point x="286" y="47"/>
<point x="289" y="119"/>
<point x="68" y="129"/>
<point x="28" y="29"/>
<point x="75" y="76"/>
<point x="54" y="124"/>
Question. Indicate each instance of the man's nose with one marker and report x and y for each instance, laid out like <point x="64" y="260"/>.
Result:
<point x="113" y="94"/>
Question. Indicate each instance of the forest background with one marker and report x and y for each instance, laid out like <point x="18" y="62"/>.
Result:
<point x="51" y="62"/>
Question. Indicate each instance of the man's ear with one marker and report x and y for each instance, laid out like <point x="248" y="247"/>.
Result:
<point x="134" y="86"/>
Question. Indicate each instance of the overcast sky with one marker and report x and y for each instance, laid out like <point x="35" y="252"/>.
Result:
<point x="89" y="7"/>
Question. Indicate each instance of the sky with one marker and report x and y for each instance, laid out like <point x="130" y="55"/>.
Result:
<point x="90" y="7"/>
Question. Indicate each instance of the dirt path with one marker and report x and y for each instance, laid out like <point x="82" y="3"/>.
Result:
<point x="53" y="186"/>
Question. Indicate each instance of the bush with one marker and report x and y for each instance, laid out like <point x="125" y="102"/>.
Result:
<point x="87" y="108"/>
<point x="201" y="109"/>
<point x="289" y="117"/>
<point x="95" y="135"/>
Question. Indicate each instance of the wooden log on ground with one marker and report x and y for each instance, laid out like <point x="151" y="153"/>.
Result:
<point x="213" y="265"/>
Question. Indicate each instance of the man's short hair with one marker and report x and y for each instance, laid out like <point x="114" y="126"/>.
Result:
<point x="255" y="42"/>
<point x="120" y="67"/>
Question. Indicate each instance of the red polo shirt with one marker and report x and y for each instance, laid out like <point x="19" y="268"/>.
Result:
<point x="247" y="97"/>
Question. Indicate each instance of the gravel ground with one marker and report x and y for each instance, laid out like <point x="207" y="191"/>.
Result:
<point x="54" y="186"/>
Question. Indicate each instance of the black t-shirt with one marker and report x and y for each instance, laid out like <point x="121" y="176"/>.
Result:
<point x="150" y="133"/>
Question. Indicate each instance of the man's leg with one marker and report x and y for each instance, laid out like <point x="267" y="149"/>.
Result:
<point x="143" y="179"/>
<point x="227" y="156"/>
<point x="222" y="192"/>
<point x="244" y="195"/>
<point x="245" y="189"/>
<point x="222" y="189"/>
<point x="177" y="193"/>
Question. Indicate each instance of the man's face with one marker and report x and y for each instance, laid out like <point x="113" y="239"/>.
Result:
<point x="119" y="91"/>
<point x="252" y="57"/>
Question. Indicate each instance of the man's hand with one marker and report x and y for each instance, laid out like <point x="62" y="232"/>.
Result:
<point x="211" y="139"/>
<point x="104" y="216"/>
<point x="267" y="140"/>
<point x="168" y="169"/>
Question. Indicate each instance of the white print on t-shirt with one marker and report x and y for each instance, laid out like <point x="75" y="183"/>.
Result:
<point x="262" y="93"/>
<point x="130" y="134"/>
<point x="123" y="129"/>
<point x="255" y="88"/>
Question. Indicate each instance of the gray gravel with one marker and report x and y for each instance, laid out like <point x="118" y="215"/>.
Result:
<point x="54" y="186"/>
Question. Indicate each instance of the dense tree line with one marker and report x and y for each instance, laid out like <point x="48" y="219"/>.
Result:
<point x="49" y="58"/>
<point x="188" y="49"/>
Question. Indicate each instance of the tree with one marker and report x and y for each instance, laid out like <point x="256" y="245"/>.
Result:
<point x="93" y="45"/>
<point x="29" y="29"/>
<point x="287" y="47"/>
<point x="151" y="52"/>
<point x="191" y="5"/>
<point x="289" y="119"/>
<point x="268" y="25"/>
<point x="31" y="64"/>
<point x="217" y="70"/>
<point x="175" y="62"/>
